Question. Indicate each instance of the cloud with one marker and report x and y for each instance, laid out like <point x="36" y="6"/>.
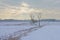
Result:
<point x="35" y="3"/>
<point x="23" y="11"/>
<point x="26" y="8"/>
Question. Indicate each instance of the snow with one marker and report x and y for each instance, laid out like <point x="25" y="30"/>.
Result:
<point x="48" y="32"/>
<point x="51" y="30"/>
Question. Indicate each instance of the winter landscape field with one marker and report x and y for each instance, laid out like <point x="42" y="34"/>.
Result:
<point x="29" y="19"/>
<point x="50" y="30"/>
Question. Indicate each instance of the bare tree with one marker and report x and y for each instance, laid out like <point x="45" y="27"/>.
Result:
<point x="32" y="18"/>
<point x="35" y="17"/>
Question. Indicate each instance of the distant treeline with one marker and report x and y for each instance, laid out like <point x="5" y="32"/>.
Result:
<point x="49" y="20"/>
<point x="30" y="20"/>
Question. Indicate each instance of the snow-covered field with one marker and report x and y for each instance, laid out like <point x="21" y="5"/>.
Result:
<point x="51" y="30"/>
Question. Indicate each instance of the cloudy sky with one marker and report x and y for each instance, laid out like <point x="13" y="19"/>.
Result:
<point x="21" y="9"/>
